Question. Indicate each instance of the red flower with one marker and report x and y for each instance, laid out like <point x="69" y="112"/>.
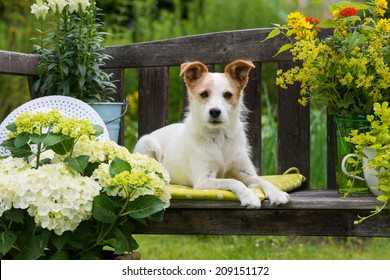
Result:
<point x="313" y="20"/>
<point x="348" y="12"/>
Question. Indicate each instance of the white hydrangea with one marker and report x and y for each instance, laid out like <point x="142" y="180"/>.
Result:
<point x="57" y="197"/>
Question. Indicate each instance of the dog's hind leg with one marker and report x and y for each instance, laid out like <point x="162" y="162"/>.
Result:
<point x="148" y="146"/>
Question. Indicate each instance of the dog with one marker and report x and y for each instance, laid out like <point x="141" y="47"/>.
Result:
<point x="209" y="150"/>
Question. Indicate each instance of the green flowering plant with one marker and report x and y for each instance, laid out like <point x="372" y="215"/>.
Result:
<point x="70" y="51"/>
<point x="65" y="194"/>
<point x="377" y="139"/>
<point x="347" y="72"/>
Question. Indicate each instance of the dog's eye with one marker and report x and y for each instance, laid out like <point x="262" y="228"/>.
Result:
<point x="227" y="95"/>
<point x="204" y="94"/>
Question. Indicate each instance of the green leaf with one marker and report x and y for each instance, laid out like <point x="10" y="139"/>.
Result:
<point x="36" y="138"/>
<point x="63" y="147"/>
<point x="59" y="241"/>
<point x="14" y="215"/>
<point x="21" y="139"/>
<point x="98" y="130"/>
<point x="53" y="139"/>
<point x="91" y="167"/>
<point x="383" y="198"/>
<point x="7" y="240"/>
<point x="121" y="244"/>
<point x="82" y="69"/>
<point x="90" y="255"/>
<point x="79" y="164"/>
<point x="24" y="151"/>
<point x="275" y="32"/>
<point x="33" y="245"/>
<point x="103" y="209"/>
<point x="12" y="127"/>
<point x="145" y="206"/>
<point x="118" y="166"/>
<point x="284" y="48"/>
<point x="60" y="255"/>
<point x="329" y="23"/>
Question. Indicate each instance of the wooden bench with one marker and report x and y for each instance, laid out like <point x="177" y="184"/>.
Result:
<point x="310" y="212"/>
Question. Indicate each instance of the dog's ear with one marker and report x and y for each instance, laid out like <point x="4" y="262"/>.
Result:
<point x="239" y="70"/>
<point x="192" y="71"/>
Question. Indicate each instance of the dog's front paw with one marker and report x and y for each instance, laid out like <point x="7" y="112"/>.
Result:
<point x="250" y="200"/>
<point x="278" y="197"/>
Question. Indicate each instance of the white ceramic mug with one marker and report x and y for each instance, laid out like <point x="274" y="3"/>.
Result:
<point x="370" y="174"/>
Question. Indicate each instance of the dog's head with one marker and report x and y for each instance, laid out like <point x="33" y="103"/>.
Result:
<point x="216" y="98"/>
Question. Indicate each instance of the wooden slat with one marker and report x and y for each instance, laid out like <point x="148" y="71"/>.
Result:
<point x="309" y="213"/>
<point x="293" y="130"/>
<point x="212" y="48"/>
<point x="252" y="98"/>
<point x="153" y="99"/>
<point x="21" y="64"/>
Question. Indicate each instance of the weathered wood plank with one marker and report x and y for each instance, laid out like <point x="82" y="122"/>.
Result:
<point x="293" y="130"/>
<point x="300" y="200"/>
<point x="269" y="222"/>
<point x="21" y="64"/>
<point x="311" y="213"/>
<point x="252" y="100"/>
<point x="153" y="99"/>
<point x="212" y="48"/>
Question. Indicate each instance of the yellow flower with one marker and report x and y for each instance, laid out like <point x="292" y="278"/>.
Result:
<point x="383" y="25"/>
<point x="380" y="7"/>
<point x="300" y="26"/>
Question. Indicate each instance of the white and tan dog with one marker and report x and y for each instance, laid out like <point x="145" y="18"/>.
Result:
<point x="210" y="150"/>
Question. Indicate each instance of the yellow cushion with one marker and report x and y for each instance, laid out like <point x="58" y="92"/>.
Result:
<point x="286" y="182"/>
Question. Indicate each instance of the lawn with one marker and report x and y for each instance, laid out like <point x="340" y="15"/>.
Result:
<point x="175" y="247"/>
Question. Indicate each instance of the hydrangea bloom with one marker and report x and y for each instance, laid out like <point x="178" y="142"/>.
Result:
<point x="57" y="196"/>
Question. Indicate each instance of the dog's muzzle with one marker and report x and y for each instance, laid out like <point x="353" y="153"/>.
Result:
<point x="215" y="114"/>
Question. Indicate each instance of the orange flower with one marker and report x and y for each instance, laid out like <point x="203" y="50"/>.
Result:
<point x="348" y="12"/>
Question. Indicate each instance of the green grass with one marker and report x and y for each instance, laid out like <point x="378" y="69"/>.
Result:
<point x="175" y="247"/>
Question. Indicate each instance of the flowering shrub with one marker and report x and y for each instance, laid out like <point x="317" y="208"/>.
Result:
<point x="377" y="139"/>
<point x="69" y="51"/>
<point x="65" y="194"/>
<point x="346" y="72"/>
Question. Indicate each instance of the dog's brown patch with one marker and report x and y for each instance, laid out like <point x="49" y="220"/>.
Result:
<point x="238" y="72"/>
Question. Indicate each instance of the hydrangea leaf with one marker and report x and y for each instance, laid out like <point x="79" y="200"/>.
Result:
<point x="21" y="140"/>
<point x="103" y="209"/>
<point x="118" y="166"/>
<point x="145" y="206"/>
<point x="78" y="164"/>
<point x="7" y="240"/>
<point x="53" y="139"/>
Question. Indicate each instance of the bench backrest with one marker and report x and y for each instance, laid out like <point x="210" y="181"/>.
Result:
<point x="153" y="60"/>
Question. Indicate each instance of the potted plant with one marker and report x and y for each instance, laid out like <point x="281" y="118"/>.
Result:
<point x="372" y="151"/>
<point x="347" y="72"/>
<point x="67" y="195"/>
<point x="70" y="55"/>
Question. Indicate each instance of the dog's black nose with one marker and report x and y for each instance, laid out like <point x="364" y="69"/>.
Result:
<point x="214" y="112"/>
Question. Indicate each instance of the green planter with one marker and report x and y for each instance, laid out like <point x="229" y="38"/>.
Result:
<point x="344" y="125"/>
<point x="111" y="113"/>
